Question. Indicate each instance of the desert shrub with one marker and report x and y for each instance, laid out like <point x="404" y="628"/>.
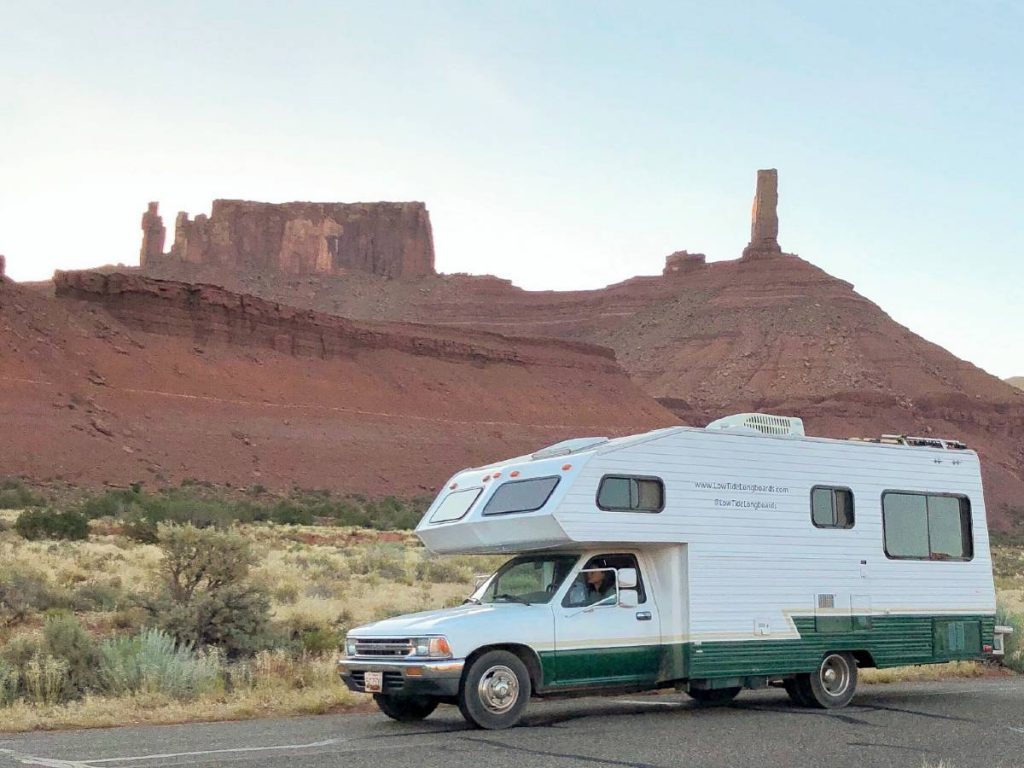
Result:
<point x="21" y="649"/>
<point x="207" y="597"/>
<point x="306" y="634"/>
<point x="1014" y="658"/>
<point x="115" y="503"/>
<point x="15" y="495"/>
<point x="24" y="593"/>
<point x="385" y="560"/>
<point x="97" y="596"/>
<point x="442" y="571"/>
<point x="34" y="524"/>
<point x="65" y="640"/>
<point x="45" y="680"/>
<point x="9" y="680"/>
<point x="288" y="513"/>
<point x="154" y="662"/>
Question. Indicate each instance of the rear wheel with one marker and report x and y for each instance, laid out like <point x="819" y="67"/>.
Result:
<point x="495" y="690"/>
<point x="713" y="697"/>
<point x="833" y="684"/>
<point x="405" y="709"/>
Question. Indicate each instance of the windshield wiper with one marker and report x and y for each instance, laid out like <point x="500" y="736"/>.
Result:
<point x="512" y="598"/>
<point x="473" y="600"/>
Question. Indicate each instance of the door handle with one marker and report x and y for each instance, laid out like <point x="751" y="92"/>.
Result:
<point x="643" y="615"/>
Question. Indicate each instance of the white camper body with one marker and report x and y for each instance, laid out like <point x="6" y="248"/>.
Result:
<point x="741" y="554"/>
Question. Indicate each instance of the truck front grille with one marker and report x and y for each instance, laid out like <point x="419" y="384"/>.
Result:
<point x="388" y="648"/>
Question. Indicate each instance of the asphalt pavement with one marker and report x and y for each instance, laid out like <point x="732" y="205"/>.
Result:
<point x="958" y="724"/>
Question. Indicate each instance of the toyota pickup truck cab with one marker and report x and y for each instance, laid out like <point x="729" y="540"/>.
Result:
<point x="708" y="560"/>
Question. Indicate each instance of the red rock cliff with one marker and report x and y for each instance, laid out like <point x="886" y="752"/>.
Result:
<point x="385" y="239"/>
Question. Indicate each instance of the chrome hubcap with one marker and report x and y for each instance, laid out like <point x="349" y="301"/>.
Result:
<point x="498" y="689"/>
<point x="834" y="675"/>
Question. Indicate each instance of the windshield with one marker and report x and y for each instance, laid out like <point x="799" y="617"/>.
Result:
<point x="529" y="579"/>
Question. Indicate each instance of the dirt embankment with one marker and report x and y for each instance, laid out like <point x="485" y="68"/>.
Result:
<point x="128" y="379"/>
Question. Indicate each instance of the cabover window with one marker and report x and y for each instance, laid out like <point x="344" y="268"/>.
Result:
<point x="455" y="505"/>
<point x="623" y="493"/>
<point x="920" y="526"/>
<point x="831" y="507"/>
<point x="521" y="496"/>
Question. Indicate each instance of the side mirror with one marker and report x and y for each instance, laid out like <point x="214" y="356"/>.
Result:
<point x="626" y="578"/>
<point x="629" y="598"/>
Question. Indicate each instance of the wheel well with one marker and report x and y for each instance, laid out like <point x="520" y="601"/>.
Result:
<point x="526" y="655"/>
<point x="864" y="658"/>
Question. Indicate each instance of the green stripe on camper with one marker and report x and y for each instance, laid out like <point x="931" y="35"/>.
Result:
<point x="890" y="640"/>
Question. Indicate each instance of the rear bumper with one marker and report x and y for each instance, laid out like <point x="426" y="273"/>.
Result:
<point x="408" y="678"/>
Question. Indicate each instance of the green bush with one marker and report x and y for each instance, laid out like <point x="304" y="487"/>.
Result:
<point x="45" y="680"/>
<point x="64" y="639"/>
<point x="15" y="495"/>
<point x="442" y="571"/>
<point x="34" y="524"/>
<point x="207" y="597"/>
<point x="9" y="682"/>
<point x="24" y="593"/>
<point x="97" y="596"/>
<point x="385" y="560"/>
<point x="154" y="662"/>
<point x="1014" y="657"/>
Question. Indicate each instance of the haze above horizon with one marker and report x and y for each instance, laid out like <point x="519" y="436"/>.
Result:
<point x="565" y="145"/>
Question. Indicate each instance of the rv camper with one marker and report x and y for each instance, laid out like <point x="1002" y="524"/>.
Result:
<point x="741" y="555"/>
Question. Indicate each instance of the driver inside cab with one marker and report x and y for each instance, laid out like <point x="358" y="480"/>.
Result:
<point x="594" y="584"/>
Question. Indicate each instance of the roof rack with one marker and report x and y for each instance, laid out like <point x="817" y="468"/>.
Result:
<point x="915" y="442"/>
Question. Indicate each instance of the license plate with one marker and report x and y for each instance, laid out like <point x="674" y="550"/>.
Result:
<point x="373" y="682"/>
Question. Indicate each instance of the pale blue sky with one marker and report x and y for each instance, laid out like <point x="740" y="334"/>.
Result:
<point x="561" y="144"/>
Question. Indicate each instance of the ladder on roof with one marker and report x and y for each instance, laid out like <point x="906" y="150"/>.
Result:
<point x="915" y="442"/>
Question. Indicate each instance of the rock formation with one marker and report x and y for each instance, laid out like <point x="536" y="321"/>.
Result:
<point x="153" y="235"/>
<point x="127" y="379"/>
<point x="764" y="218"/>
<point x="681" y="262"/>
<point x="391" y="240"/>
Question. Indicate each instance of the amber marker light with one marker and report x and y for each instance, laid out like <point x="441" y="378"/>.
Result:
<point x="453" y="486"/>
<point x="566" y="467"/>
<point x="496" y="475"/>
<point x="414" y="671"/>
<point x="514" y="473"/>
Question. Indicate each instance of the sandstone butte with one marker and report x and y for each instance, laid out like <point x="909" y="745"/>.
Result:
<point x="768" y="331"/>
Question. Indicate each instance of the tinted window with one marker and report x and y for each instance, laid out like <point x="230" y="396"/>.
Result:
<point x="521" y="496"/>
<point x="455" y="505"/>
<point x="927" y="526"/>
<point x="622" y="493"/>
<point x="832" y="507"/>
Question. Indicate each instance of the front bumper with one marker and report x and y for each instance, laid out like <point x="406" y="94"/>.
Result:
<point x="435" y="677"/>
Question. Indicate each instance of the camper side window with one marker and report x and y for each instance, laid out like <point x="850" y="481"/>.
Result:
<point x="831" y="507"/>
<point x="920" y="526"/>
<point x="622" y="493"/>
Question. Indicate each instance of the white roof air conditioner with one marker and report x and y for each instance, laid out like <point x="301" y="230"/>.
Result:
<point x="764" y="423"/>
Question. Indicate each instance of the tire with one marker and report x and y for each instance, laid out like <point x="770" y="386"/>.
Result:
<point x="795" y="688"/>
<point x="713" y="697"/>
<point x="495" y="690"/>
<point x="405" y="709"/>
<point x="833" y="684"/>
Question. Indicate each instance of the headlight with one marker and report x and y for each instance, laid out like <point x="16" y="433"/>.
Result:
<point x="432" y="647"/>
<point x="350" y="646"/>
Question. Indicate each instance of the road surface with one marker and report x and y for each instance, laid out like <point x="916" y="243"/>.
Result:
<point x="962" y="724"/>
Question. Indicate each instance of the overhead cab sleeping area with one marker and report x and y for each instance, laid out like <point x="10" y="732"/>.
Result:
<point x="512" y="505"/>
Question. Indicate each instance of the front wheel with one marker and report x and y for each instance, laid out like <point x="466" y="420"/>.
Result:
<point x="405" y="709"/>
<point x="713" y="697"/>
<point x="832" y="685"/>
<point x="495" y="690"/>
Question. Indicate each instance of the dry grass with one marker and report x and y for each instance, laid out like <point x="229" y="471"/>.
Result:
<point x="282" y="689"/>
<point x="331" y="577"/>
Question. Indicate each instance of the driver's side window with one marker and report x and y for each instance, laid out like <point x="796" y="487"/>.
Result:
<point x="594" y="585"/>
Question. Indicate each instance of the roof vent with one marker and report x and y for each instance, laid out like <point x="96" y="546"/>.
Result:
<point x="567" y="447"/>
<point x="766" y="424"/>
